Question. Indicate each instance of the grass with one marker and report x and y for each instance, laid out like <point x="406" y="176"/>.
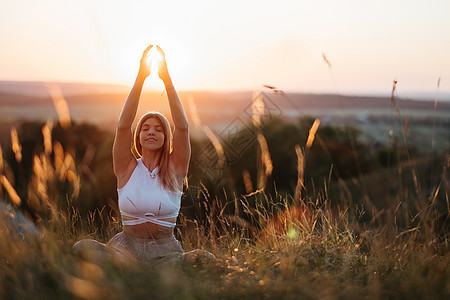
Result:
<point x="270" y="247"/>
<point x="313" y="257"/>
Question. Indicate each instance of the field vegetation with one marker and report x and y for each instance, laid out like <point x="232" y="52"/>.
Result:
<point x="291" y="210"/>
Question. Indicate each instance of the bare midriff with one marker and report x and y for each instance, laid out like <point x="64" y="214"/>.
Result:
<point x="149" y="230"/>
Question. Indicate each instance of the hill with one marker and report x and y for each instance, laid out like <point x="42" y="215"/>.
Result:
<point x="101" y="104"/>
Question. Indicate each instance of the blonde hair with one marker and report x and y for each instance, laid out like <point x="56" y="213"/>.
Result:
<point x="165" y="174"/>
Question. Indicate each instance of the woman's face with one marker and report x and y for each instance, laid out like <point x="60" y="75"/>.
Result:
<point x="152" y="134"/>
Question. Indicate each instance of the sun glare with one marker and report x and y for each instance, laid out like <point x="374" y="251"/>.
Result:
<point x="180" y="61"/>
<point x="154" y="58"/>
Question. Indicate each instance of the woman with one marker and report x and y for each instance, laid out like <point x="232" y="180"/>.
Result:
<point x="150" y="186"/>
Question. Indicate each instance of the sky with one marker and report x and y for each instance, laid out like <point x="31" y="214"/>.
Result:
<point x="233" y="44"/>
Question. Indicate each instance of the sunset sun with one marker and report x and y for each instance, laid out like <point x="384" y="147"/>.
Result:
<point x="153" y="58"/>
<point x="179" y="60"/>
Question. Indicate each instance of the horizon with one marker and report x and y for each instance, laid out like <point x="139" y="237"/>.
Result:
<point x="438" y="95"/>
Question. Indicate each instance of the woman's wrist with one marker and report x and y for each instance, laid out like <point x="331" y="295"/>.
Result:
<point x="140" y="77"/>
<point x="168" y="84"/>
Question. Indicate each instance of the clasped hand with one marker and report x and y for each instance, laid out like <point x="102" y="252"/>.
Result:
<point x="145" y="64"/>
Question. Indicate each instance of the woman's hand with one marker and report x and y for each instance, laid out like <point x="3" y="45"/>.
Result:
<point x="145" y="65"/>
<point x="163" y="72"/>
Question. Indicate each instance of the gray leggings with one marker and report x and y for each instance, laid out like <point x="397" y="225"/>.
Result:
<point x="128" y="250"/>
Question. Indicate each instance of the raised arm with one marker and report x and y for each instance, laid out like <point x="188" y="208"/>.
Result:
<point x="123" y="159"/>
<point x="181" y="153"/>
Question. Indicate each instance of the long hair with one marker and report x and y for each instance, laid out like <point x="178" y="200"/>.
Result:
<point x="165" y="175"/>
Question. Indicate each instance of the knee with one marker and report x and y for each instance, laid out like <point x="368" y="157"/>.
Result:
<point x="84" y="245"/>
<point x="199" y="257"/>
<point x="90" y="250"/>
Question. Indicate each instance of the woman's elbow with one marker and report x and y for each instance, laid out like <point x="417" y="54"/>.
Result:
<point x="122" y="125"/>
<point x="183" y="126"/>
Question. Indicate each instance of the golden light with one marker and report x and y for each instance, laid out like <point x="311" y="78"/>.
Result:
<point x="154" y="57"/>
<point x="153" y="60"/>
<point x="179" y="59"/>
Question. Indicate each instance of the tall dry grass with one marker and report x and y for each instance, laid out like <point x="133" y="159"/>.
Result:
<point x="267" y="245"/>
<point x="207" y="131"/>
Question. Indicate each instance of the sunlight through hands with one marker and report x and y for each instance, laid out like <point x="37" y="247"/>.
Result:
<point x="153" y="59"/>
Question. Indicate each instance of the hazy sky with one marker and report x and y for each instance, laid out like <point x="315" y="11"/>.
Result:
<point x="233" y="44"/>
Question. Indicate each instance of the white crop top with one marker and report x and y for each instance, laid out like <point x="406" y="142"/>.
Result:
<point x="144" y="199"/>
